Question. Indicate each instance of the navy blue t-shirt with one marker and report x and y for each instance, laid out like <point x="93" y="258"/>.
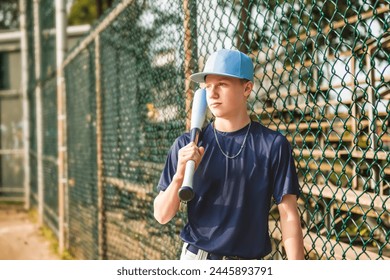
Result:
<point x="229" y="213"/>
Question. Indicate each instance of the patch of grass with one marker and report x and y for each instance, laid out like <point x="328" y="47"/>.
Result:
<point x="33" y="215"/>
<point x="66" y="255"/>
<point x="48" y="234"/>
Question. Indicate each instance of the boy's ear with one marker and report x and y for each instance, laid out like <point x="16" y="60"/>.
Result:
<point x="248" y="88"/>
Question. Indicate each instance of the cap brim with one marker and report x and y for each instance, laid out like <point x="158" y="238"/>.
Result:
<point x="200" y="77"/>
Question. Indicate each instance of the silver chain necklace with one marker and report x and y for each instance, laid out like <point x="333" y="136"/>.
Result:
<point x="242" y="146"/>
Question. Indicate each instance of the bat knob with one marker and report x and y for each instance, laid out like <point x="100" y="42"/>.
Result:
<point x="186" y="193"/>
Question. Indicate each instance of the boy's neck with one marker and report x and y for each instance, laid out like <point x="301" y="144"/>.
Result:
<point x="230" y="125"/>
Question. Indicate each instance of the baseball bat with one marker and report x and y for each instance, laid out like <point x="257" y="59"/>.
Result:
<point x="199" y="106"/>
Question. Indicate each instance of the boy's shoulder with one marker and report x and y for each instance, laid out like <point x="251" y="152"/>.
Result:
<point x="269" y="137"/>
<point x="261" y="129"/>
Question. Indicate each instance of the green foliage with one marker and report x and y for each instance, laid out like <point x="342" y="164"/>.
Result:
<point x="87" y="11"/>
<point x="48" y="234"/>
<point x="83" y="12"/>
<point x="9" y="14"/>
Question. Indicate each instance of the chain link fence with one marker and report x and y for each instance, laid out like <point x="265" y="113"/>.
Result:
<point x="322" y="78"/>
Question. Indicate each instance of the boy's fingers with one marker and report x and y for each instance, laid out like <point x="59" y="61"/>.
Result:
<point x="201" y="151"/>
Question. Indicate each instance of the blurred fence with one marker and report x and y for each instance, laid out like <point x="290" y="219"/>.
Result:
<point x="322" y="79"/>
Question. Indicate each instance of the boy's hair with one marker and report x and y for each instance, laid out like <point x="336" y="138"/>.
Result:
<point x="244" y="81"/>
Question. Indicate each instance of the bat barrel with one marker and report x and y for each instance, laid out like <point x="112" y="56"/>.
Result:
<point x="186" y="192"/>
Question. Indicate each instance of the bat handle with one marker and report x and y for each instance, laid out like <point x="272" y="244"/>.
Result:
<point x="186" y="192"/>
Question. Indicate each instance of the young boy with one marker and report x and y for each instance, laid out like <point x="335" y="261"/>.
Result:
<point x="240" y="166"/>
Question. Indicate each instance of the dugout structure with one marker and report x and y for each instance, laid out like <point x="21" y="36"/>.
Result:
<point x="322" y="79"/>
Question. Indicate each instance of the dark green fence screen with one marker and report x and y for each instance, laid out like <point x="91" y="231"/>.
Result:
<point x="322" y="78"/>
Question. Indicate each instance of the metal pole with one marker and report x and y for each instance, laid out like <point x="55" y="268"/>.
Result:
<point x="371" y="116"/>
<point x="61" y="118"/>
<point x="190" y="53"/>
<point x="99" y="148"/>
<point x="38" y="102"/>
<point x="1" y="145"/>
<point x="355" y="180"/>
<point x="24" y="88"/>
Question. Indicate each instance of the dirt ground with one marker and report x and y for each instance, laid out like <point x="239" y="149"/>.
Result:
<point x="20" y="238"/>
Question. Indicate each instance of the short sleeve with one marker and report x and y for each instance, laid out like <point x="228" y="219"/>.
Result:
<point x="283" y="169"/>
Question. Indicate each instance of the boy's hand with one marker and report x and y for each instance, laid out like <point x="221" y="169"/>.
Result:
<point x="189" y="152"/>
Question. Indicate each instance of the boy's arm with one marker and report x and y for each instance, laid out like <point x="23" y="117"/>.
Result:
<point x="291" y="228"/>
<point x="167" y="202"/>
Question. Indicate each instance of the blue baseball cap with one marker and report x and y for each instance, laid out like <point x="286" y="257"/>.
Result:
<point x="229" y="63"/>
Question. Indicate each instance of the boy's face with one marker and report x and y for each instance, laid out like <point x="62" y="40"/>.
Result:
<point x="226" y="97"/>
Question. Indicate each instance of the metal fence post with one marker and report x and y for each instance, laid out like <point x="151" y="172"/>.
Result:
<point x="24" y="88"/>
<point x="354" y="130"/>
<point x="190" y="52"/>
<point x="38" y="102"/>
<point x="61" y="118"/>
<point x="99" y="150"/>
<point x="371" y="116"/>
